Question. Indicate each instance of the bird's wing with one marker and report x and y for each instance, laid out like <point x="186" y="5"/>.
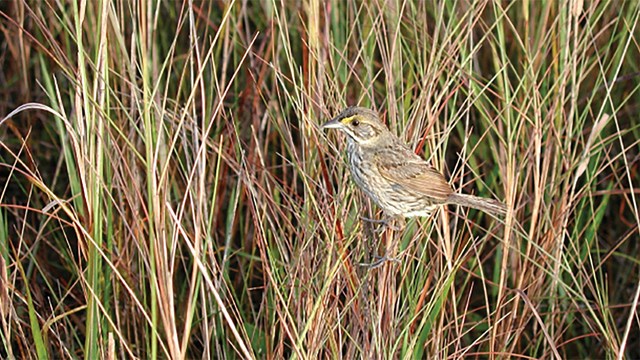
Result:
<point x="412" y="172"/>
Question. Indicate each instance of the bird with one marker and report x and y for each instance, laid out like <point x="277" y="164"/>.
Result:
<point x="400" y="182"/>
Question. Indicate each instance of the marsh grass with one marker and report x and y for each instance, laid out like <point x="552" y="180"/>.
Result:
<point x="167" y="192"/>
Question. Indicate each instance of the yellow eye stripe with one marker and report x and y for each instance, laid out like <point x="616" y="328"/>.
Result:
<point x="347" y="120"/>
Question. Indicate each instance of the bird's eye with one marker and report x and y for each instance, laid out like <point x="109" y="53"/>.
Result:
<point x="355" y="123"/>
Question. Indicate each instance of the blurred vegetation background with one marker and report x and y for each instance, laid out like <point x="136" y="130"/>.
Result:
<point x="166" y="191"/>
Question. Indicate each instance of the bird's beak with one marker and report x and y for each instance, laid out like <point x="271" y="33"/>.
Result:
<point x="333" y="124"/>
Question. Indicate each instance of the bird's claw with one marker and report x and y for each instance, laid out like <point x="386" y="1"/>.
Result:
<point x="379" y="261"/>
<point x="383" y="224"/>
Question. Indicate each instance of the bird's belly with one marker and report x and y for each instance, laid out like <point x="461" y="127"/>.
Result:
<point x="392" y="197"/>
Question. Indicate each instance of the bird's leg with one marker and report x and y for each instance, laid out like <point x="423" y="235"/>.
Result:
<point x="387" y="222"/>
<point x="379" y="261"/>
<point x="393" y="223"/>
<point x="382" y="224"/>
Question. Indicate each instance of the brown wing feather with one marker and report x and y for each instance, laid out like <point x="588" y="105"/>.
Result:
<point x="415" y="174"/>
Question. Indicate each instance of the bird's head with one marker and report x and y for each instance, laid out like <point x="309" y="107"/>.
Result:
<point x="360" y="124"/>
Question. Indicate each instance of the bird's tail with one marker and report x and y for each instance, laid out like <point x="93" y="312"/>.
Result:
<point x="490" y="206"/>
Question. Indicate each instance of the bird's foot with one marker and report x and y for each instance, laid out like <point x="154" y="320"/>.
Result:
<point x="393" y="223"/>
<point x="379" y="261"/>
